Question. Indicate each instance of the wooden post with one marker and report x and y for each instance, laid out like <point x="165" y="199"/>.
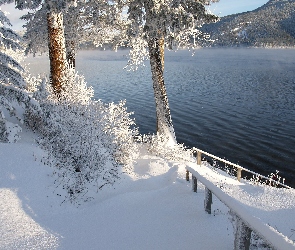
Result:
<point x="208" y="200"/>
<point x="239" y="174"/>
<point x="242" y="235"/>
<point x="199" y="156"/>
<point x="187" y="175"/>
<point x="194" y="184"/>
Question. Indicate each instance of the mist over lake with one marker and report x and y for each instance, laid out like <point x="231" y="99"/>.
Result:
<point x="238" y="104"/>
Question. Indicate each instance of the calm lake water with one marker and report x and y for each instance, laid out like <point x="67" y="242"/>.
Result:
<point x="238" y="104"/>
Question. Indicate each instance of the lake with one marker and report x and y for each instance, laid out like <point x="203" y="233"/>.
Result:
<point x="238" y="104"/>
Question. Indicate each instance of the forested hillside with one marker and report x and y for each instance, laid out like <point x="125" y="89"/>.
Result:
<point x="271" y="25"/>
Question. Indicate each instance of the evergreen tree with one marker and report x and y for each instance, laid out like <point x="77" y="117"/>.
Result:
<point x="96" y="22"/>
<point x="15" y="102"/>
<point x="9" y="40"/>
<point x="36" y="35"/>
<point x="56" y="40"/>
<point x="157" y="24"/>
<point x="10" y="76"/>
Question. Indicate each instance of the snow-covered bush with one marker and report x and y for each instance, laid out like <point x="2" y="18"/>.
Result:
<point x="157" y="144"/>
<point x="273" y="179"/>
<point x="89" y="143"/>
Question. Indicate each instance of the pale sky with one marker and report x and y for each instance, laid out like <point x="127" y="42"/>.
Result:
<point x="228" y="7"/>
<point x="222" y="8"/>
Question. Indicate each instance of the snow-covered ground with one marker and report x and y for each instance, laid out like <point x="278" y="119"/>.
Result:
<point x="151" y="208"/>
<point x="265" y="209"/>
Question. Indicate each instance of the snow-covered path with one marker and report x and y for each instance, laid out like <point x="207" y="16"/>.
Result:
<point x="18" y="230"/>
<point x="23" y="191"/>
<point x="152" y="208"/>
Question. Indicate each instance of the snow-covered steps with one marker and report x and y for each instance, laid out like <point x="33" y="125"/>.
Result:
<point x="268" y="211"/>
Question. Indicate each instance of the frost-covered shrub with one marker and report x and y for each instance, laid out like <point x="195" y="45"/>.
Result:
<point x="273" y="179"/>
<point x="89" y="143"/>
<point x="157" y="144"/>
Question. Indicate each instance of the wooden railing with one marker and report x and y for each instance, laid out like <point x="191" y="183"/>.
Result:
<point x="237" y="167"/>
<point x="245" y="222"/>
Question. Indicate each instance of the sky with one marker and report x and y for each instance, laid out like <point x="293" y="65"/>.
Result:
<point x="228" y="7"/>
<point x="222" y="8"/>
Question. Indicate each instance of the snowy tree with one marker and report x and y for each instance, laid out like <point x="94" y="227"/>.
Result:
<point x="37" y="32"/>
<point x="57" y="50"/>
<point x="98" y="22"/>
<point x="36" y="35"/>
<point x="157" y="24"/>
<point x="9" y="40"/>
<point x="15" y="102"/>
<point x="56" y="41"/>
<point x="10" y="76"/>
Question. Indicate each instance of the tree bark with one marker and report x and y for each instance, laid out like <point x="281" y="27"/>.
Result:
<point x="57" y="51"/>
<point x="164" y="121"/>
<point x="71" y="53"/>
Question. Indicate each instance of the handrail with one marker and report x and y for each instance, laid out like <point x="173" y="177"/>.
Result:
<point x="274" y="238"/>
<point x="239" y="168"/>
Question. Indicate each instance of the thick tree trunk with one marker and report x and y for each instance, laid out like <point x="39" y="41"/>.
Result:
<point x="164" y="121"/>
<point x="57" y="51"/>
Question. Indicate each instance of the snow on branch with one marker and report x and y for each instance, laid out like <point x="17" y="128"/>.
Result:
<point x="178" y="22"/>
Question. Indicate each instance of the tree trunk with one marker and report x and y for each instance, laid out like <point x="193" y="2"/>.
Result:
<point x="57" y="51"/>
<point x="164" y="121"/>
<point x="71" y="53"/>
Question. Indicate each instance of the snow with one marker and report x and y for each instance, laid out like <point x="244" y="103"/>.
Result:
<point x="12" y="131"/>
<point x="153" y="207"/>
<point x="251" y="204"/>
